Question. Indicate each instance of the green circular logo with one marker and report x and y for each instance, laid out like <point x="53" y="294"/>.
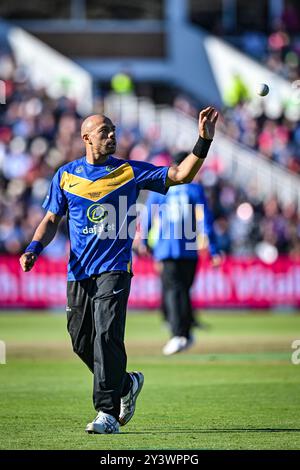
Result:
<point x="96" y="213"/>
<point x="108" y="167"/>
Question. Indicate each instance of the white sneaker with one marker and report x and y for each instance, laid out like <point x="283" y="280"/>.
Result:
<point x="177" y="344"/>
<point x="103" y="424"/>
<point x="128" y="402"/>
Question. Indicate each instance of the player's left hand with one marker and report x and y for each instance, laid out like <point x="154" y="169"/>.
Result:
<point x="27" y="261"/>
<point x="207" y="122"/>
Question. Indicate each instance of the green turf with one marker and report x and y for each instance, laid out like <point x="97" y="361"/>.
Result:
<point x="237" y="389"/>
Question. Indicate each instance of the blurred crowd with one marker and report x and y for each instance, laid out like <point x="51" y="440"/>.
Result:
<point x="280" y="50"/>
<point x="269" y="127"/>
<point x="277" y="140"/>
<point x="39" y="134"/>
<point x="246" y="225"/>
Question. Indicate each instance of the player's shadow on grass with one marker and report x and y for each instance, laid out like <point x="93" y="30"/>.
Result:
<point x="213" y="431"/>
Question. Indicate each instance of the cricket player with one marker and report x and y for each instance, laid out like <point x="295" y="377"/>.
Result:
<point x="178" y="219"/>
<point x="97" y="193"/>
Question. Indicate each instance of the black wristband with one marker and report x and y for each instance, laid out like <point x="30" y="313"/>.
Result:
<point x="202" y="147"/>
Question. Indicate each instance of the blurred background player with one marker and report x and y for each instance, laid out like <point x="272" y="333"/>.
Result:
<point x="172" y="225"/>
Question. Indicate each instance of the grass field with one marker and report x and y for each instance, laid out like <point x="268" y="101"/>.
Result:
<point x="236" y="389"/>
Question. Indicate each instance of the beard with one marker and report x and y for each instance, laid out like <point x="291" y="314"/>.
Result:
<point x="110" y="147"/>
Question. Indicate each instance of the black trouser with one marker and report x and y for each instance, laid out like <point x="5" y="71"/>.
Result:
<point x="177" y="279"/>
<point x="96" y="315"/>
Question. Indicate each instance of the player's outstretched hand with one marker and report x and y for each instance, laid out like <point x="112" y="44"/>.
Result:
<point x="207" y="122"/>
<point x="27" y="261"/>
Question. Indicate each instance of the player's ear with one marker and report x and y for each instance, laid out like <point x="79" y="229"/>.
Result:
<point x="86" y="139"/>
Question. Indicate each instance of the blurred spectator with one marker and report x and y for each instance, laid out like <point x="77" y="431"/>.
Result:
<point x="122" y="83"/>
<point x="237" y="92"/>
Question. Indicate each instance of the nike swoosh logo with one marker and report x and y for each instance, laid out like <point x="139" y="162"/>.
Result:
<point x="118" y="291"/>
<point x="71" y="185"/>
